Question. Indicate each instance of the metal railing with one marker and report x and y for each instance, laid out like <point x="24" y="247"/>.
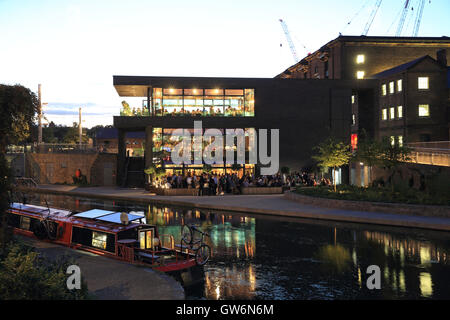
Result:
<point x="25" y="182"/>
<point x="59" y="148"/>
<point x="431" y="147"/>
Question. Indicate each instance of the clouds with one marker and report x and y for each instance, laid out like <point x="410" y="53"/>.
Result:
<point x="66" y="113"/>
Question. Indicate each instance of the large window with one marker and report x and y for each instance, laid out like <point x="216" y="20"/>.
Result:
<point x="391" y="87"/>
<point x="383" y="90"/>
<point x="203" y="102"/>
<point x="360" y="58"/>
<point x="384" y="114"/>
<point x="399" y="112"/>
<point x="391" y="113"/>
<point x="399" y="85"/>
<point x="423" y="83"/>
<point x="424" y="110"/>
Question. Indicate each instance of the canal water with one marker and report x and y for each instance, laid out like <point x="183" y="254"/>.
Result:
<point x="262" y="257"/>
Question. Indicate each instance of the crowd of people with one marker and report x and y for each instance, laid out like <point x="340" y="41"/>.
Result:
<point x="219" y="184"/>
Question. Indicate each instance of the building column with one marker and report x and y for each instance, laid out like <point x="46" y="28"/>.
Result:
<point x="121" y="157"/>
<point x="148" y="152"/>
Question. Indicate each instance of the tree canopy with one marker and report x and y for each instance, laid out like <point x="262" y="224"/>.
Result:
<point x="332" y="154"/>
<point x="18" y="107"/>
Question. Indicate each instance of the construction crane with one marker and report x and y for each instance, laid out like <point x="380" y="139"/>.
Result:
<point x="402" y="18"/>
<point x="372" y="17"/>
<point x="418" y="18"/>
<point x="289" y="40"/>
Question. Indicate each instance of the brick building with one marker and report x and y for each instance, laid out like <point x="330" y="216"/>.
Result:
<point x="360" y="57"/>
<point x="414" y="101"/>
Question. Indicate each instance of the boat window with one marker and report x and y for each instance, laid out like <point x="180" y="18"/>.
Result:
<point x="146" y="239"/>
<point x="99" y="240"/>
<point x="25" y="223"/>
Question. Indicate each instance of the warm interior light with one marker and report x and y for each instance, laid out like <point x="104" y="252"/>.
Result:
<point x="195" y="91"/>
<point x="360" y="58"/>
<point x="171" y="90"/>
<point x="216" y="91"/>
<point x="360" y="74"/>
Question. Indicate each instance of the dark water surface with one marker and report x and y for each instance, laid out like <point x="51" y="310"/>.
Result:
<point x="262" y="257"/>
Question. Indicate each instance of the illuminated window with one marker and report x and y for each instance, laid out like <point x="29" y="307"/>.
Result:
<point x="25" y="223"/>
<point x="383" y="90"/>
<point x="400" y="141"/>
<point x="99" y="240"/>
<point x="384" y="114"/>
<point x="400" y="112"/>
<point x="353" y="119"/>
<point x="391" y="87"/>
<point x="360" y="58"/>
<point x="146" y="239"/>
<point x="391" y="113"/>
<point x="399" y="85"/>
<point x="360" y="74"/>
<point x="424" y="110"/>
<point x="393" y="140"/>
<point x="423" y="83"/>
<point x="353" y="99"/>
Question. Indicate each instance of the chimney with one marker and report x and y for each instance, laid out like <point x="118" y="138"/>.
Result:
<point x="442" y="57"/>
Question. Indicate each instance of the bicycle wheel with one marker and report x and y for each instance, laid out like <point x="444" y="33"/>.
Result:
<point x="186" y="234"/>
<point x="202" y="254"/>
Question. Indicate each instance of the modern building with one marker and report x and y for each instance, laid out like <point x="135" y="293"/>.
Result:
<point x="305" y="111"/>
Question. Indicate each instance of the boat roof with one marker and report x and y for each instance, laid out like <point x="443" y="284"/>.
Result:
<point x="108" y="216"/>
<point x="53" y="212"/>
<point x="108" y="221"/>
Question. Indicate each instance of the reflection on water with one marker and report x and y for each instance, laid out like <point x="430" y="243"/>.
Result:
<point x="256" y="257"/>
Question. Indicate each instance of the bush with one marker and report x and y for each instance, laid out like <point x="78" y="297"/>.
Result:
<point x="376" y="194"/>
<point x="25" y="275"/>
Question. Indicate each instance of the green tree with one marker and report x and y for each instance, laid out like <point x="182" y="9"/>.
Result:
<point x="332" y="154"/>
<point x="392" y="155"/>
<point x="285" y="170"/>
<point x="72" y="135"/>
<point x="18" y="108"/>
<point x="26" y="275"/>
<point x="126" y="110"/>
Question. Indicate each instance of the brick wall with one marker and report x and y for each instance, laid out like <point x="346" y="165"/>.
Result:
<point x="60" y="168"/>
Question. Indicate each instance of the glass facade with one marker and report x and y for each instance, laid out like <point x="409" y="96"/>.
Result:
<point x="164" y="142"/>
<point x="199" y="102"/>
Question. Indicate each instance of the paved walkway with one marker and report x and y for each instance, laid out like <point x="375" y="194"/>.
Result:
<point x="109" y="279"/>
<point x="259" y="204"/>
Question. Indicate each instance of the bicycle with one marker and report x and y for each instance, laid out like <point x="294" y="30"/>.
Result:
<point x="202" y="250"/>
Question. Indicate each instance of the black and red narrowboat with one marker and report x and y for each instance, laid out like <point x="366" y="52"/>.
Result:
<point x="118" y="235"/>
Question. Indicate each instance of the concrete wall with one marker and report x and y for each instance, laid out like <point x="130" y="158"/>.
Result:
<point x="431" y="178"/>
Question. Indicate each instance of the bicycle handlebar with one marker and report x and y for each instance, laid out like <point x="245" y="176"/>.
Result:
<point x="200" y="231"/>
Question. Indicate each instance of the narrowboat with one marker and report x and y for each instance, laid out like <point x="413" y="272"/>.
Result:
<point x="118" y="235"/>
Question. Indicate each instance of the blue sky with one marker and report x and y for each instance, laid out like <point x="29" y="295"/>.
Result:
<point x="74" y="47"/>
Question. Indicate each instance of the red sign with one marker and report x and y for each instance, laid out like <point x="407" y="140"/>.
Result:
<point x="354" y="141"/>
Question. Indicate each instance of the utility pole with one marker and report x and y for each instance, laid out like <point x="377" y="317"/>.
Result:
<point x="80" y="128"/>
<point x="39" y="115"/>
